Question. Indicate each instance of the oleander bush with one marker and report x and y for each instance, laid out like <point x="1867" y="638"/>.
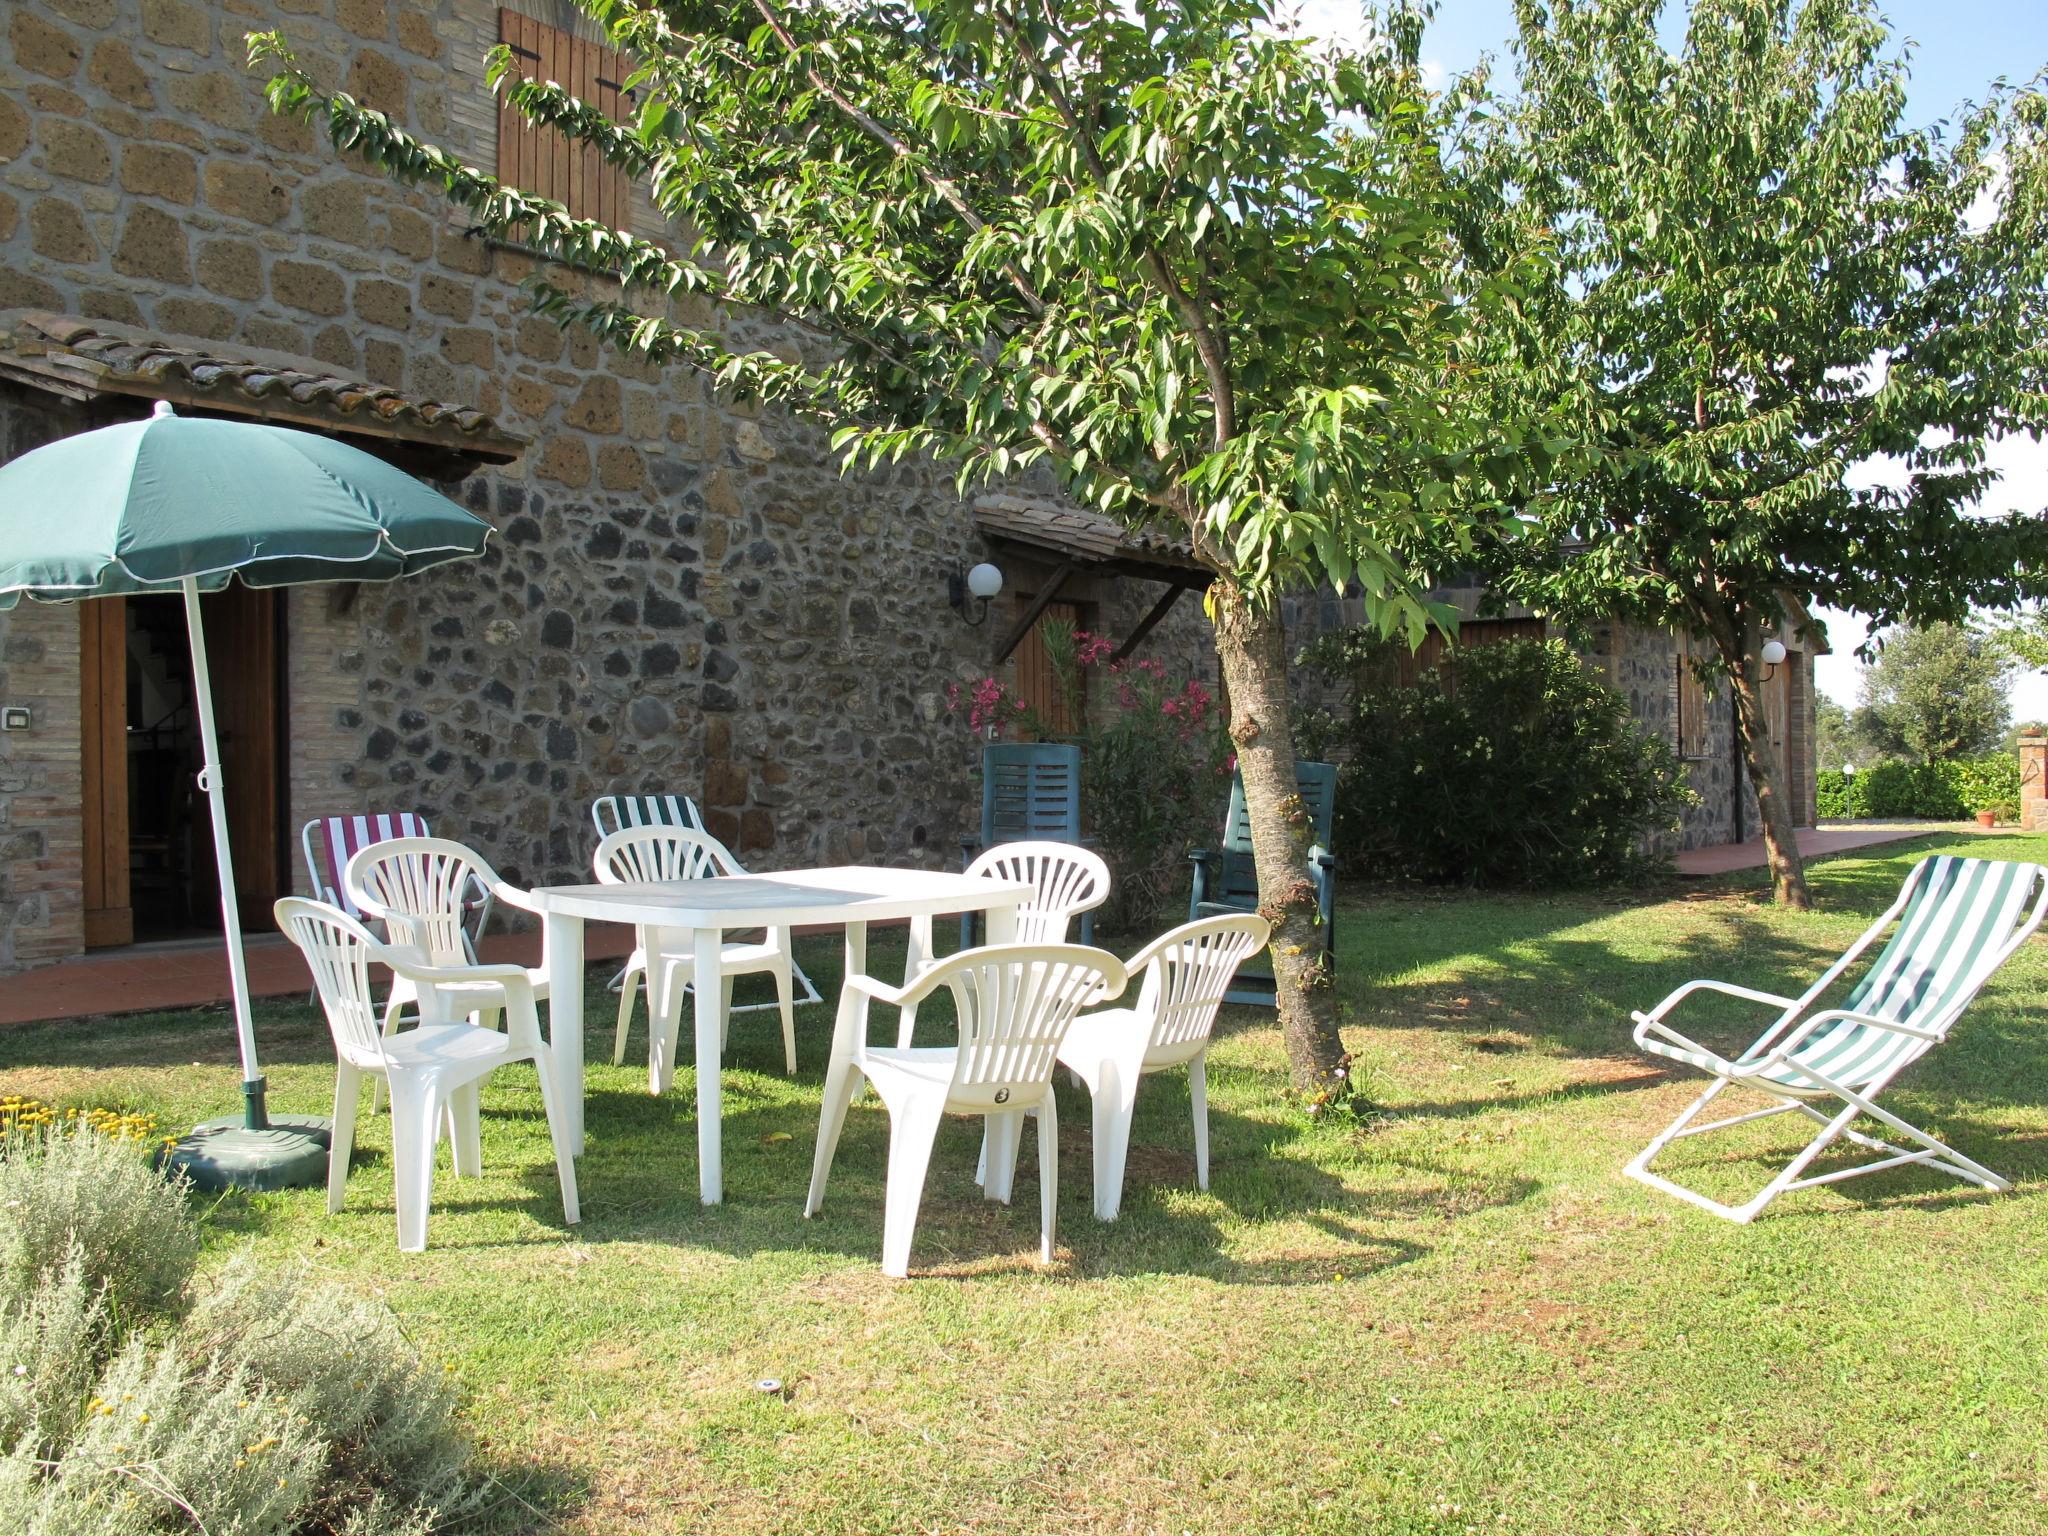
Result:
<point x="262" y="1402"/>
<point x="1508" y="765"/>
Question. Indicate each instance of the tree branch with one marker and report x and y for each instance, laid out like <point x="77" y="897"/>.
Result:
<point x="1213" y="351"/>
<point x="874" y="129"/>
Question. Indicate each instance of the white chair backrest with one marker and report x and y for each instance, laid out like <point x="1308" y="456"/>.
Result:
<point x="1070" y="881"/>
<point x="642" y="854"/>
<point x="338" y="950"/>
<point x="614" y="813"/>
<point x="338" y="839"/>
<point x="416" y="886"/>
<point x="1015" y="1003"/>
<point x="1188" y="969"/>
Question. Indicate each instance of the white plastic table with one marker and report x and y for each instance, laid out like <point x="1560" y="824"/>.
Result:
<point x="851" y="897"/>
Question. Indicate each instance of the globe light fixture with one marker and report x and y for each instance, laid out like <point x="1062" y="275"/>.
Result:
<point x="982" y="583"/>
<point x="1773" y="654"/>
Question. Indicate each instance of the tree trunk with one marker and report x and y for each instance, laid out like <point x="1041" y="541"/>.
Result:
<point x="1252" y="648"/>
<point x="1781" y="844"/>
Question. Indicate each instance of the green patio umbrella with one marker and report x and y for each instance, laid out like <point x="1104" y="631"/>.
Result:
<point x="184" y="504"/>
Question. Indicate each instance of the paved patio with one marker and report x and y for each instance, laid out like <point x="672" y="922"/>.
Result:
<point x="143" y="978"/>
<point x="1839" y="837"/>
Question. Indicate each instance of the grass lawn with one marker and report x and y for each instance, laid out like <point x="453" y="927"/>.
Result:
<point x="1457" y="1316"/>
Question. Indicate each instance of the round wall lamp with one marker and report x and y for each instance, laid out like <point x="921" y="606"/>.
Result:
<point x="982" y="583"/>
<point x="1773" y="655"/>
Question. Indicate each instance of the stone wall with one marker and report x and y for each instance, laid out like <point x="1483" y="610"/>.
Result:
<point x="685" y="595"/>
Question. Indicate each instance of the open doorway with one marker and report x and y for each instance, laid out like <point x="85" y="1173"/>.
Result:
<point x="149" y="861"/>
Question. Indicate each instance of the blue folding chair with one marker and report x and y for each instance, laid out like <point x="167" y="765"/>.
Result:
<point x="1030" y="793"/>
<point x="1227" y="881"/>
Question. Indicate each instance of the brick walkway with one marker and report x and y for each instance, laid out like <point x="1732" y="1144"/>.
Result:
<point x="149" y="977"/>
<point x="1724" y="858"/>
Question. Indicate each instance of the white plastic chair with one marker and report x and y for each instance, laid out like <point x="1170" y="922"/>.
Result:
<point x="1015" y="1003"/>
<point x="653" y="854"/>
<point x="1070" y="880"/>
<point x="1186" y="971"/>
<point x="1957" y="920"/>
<point x="433" y="1071"/>
<point x="418" y="889"/>
<point x="615" y="813"/>
<point x="329" y="842"/>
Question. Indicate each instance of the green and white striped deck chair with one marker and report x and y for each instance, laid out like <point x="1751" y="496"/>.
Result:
<point x="1956" y="922"/>
<point x="612" y="813"/>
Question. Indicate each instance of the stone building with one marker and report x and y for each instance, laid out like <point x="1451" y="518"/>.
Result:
<point x="1652" y="670"/>
<point x="684" y="595"/>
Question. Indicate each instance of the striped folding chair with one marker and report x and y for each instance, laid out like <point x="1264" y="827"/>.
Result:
<point x="331" y="841"/>
<point x="1955" y="922"/>
<point x="615" y="813"/>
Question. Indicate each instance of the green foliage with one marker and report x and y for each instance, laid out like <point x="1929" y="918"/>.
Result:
<point x="1947" y="791"/>
<point x="1833" y="728"/>
<point x="2022" y="637"/>
<point x="1154" y="763"/>
<point x="273" y="1403"/>
<point x="1766" y="280"/>
<point x="1199" y="266"/>
<point x="1512" y="765"/>
<point x="1936" y="692"/>
<point x="74" y="1195"/>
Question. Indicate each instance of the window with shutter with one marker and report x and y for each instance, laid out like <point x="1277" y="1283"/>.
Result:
<point x="544" y="162"/>
<point x="1038" y="684"/>
<point x="1692" y="706"/>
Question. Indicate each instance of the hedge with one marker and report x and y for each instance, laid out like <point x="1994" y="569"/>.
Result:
<point x="1950" y="791"/>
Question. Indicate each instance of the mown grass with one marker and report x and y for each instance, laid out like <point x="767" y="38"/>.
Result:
<point x="1453" y="1316"/>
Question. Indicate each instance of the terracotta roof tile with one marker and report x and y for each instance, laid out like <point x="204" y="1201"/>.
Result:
<point x="84" y="359"/>
<point x="1081" y="535"/>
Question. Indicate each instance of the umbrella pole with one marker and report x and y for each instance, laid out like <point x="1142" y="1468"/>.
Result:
<point x="255" y="1116"/>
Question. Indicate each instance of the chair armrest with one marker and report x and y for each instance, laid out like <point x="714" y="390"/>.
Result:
<point x="512" y="896"/>
<point x="880" y="991"/>
<point x="1747" y="994"/>
<point x="1647" y="1026"/>
<point x="457" y="975"/>
<point x="1869" y="1021"/>
<point x="1203" y="856"/>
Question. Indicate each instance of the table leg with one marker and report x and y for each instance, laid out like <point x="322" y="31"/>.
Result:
<point x="917" y="955"/>
<point x="562" y="941"/>
<point x="1000" y="1134"/>
<point x="710" y="1087"/>
<point x="840" y="1062"/>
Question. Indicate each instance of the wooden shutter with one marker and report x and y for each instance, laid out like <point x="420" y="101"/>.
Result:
<point x="103" y="761"/>
<point x="1037" y="685"/>
<point x="543" y="162"/>
<point x="1692" y="706"/>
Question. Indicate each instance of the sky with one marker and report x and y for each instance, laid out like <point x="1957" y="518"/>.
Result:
<point x="1959" y="48"/>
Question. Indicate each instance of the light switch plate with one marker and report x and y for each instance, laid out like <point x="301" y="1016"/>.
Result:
<point x="15" y="717"/>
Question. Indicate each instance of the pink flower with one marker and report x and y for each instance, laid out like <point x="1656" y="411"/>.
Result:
<point x="1091" y="648"/>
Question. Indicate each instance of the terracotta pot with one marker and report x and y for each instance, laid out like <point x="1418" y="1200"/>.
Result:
<point x="1987" y="818"/>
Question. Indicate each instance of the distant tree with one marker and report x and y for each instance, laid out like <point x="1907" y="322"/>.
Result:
<point x="1833" y="732"/>
<point x="1936" y="693"/>
<point x="1768" y="279"/>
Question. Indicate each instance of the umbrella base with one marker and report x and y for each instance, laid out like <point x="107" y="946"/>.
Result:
<point x="289" y="1153"/>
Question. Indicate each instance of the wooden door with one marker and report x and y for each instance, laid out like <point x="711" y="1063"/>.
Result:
<point x="242" y="644"/>
<point x="103" y="761"/>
